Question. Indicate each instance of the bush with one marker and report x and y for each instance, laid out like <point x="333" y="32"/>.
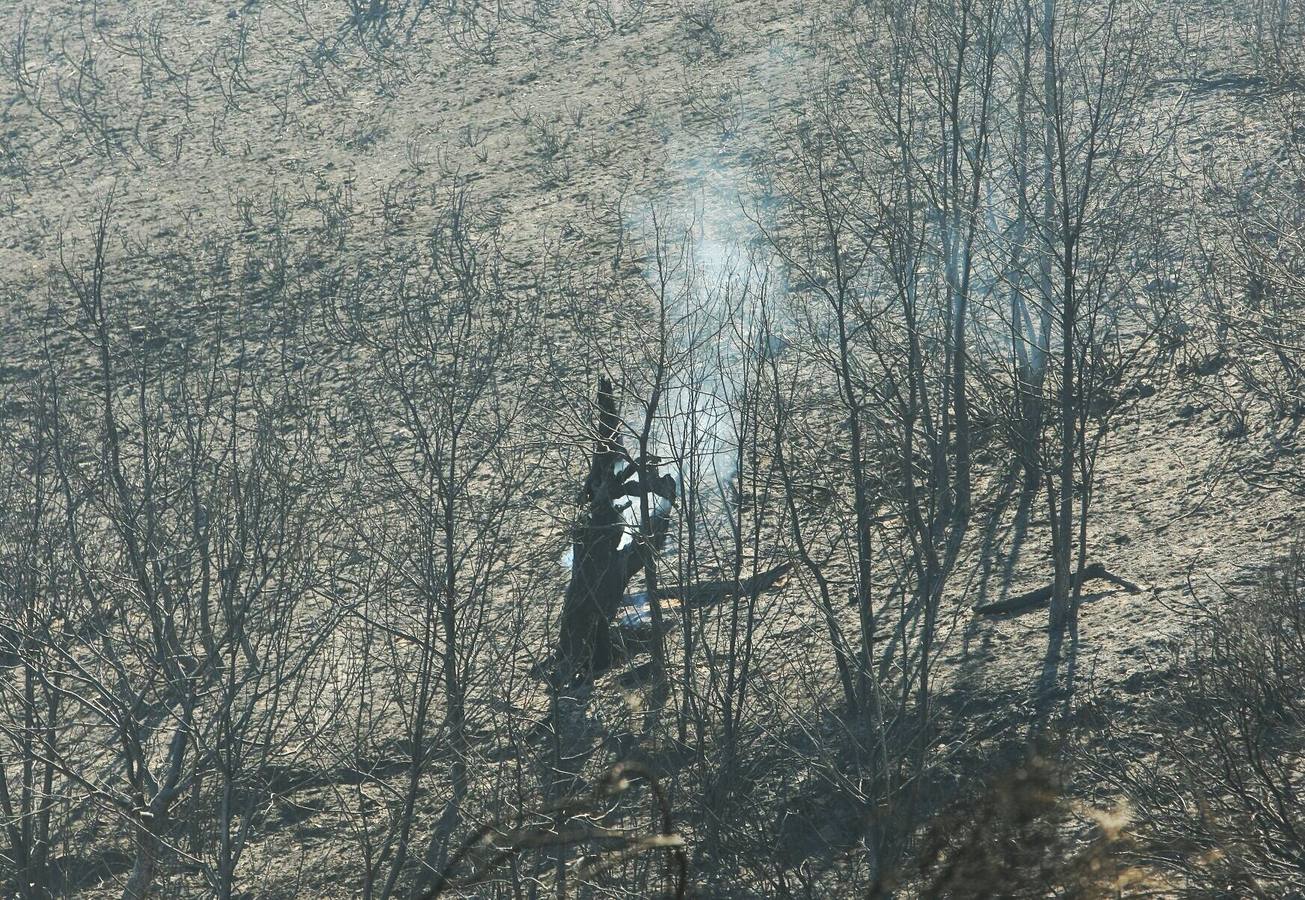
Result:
<point x="1217" y="787"/>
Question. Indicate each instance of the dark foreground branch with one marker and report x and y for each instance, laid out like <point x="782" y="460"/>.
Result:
<point x="571" y="821"/>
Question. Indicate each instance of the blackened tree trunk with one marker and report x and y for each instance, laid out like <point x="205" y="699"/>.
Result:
<point x="601" y="568"/>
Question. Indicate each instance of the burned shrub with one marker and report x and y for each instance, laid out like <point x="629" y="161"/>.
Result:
<point x="1216" y="787"/>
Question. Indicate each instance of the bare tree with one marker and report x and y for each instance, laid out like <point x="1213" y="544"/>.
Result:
<point x="438" y="485"/>
<point x="1096" y="234"/>
<point x="37" y="593"/>
<point x="181" y="640"/>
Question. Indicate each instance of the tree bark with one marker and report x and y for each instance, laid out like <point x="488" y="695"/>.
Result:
<point x="140" y="884"/>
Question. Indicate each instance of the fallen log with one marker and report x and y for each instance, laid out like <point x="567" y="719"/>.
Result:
<point x="1042" y="596"/>
<point x="633" y="631"/>
<point x="705" y="593"/>
<point x="635" y="612"/>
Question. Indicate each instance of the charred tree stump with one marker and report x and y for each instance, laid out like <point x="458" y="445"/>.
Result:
<point x="601" y="568"/>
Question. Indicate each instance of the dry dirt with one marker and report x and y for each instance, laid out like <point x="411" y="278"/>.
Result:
<point x="568" y="130"/>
